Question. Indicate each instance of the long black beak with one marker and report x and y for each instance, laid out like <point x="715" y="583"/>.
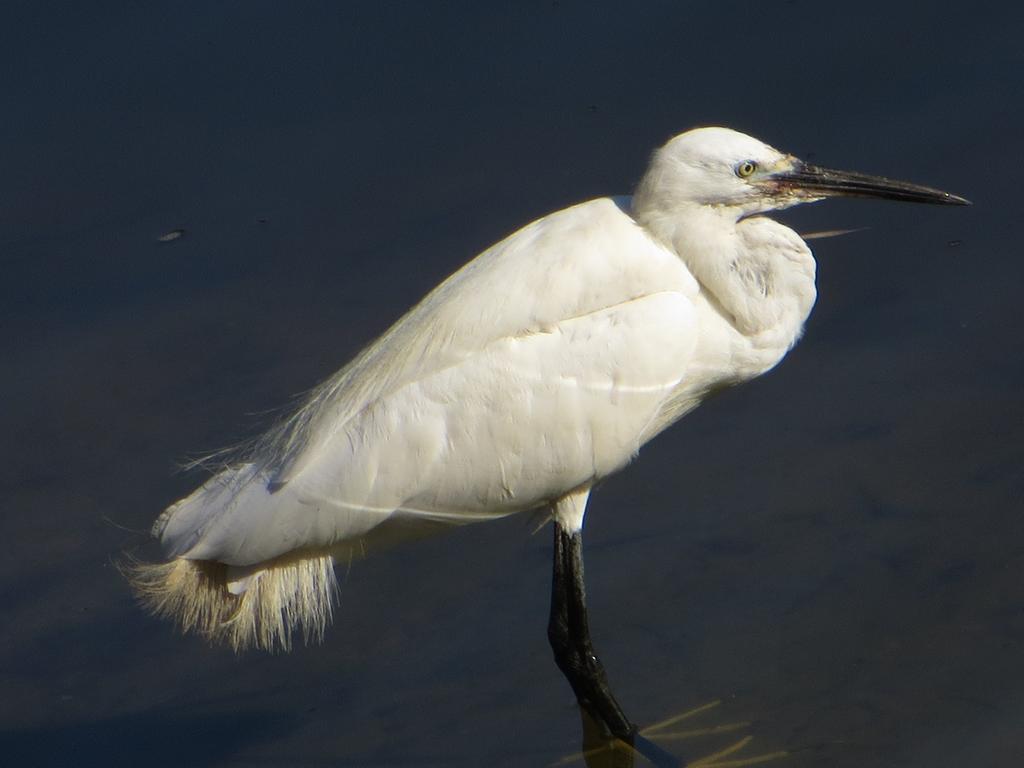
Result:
<point x="811" y="181"/>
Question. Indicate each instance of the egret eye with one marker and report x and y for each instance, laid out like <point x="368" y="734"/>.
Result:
<point x="746" y="168"/>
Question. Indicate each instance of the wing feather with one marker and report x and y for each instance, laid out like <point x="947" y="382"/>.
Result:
<point x="534" y="369"/>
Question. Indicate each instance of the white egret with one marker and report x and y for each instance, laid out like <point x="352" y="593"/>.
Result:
<point x="540" y="367"/>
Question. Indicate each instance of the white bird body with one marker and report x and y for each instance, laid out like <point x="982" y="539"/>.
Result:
<point x="540" y="367"/>
<point x="534" y="370"/>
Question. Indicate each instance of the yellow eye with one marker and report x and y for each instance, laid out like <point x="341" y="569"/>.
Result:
<point x="746" y="168"/>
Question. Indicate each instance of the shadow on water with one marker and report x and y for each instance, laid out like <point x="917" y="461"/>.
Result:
<point x="155" y="738"/>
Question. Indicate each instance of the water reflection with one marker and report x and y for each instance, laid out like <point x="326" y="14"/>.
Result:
<point x="687" y="738"/>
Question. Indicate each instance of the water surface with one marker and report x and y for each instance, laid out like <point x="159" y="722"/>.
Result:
<point x="836" y="552"/>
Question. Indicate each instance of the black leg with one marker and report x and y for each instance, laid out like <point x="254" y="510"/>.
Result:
<point x="569" y="635"/>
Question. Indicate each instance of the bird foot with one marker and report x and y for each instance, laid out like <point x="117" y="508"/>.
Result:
<point x="615" y="753"/>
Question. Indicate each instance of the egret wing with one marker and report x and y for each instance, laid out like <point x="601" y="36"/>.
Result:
<point x="571" y="263"/>
<point x="530" y="371"/>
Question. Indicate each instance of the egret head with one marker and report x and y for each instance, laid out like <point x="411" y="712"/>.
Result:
<point x="722" y="168"/>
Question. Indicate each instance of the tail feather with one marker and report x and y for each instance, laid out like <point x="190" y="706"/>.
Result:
<point x="260" y="609"/>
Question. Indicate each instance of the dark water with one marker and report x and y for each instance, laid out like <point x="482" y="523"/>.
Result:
<point x="836" y="552"/>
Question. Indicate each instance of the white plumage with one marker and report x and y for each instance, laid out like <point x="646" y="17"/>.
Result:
<point x="541" y="366"/>
<point x="533" y="370"/>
